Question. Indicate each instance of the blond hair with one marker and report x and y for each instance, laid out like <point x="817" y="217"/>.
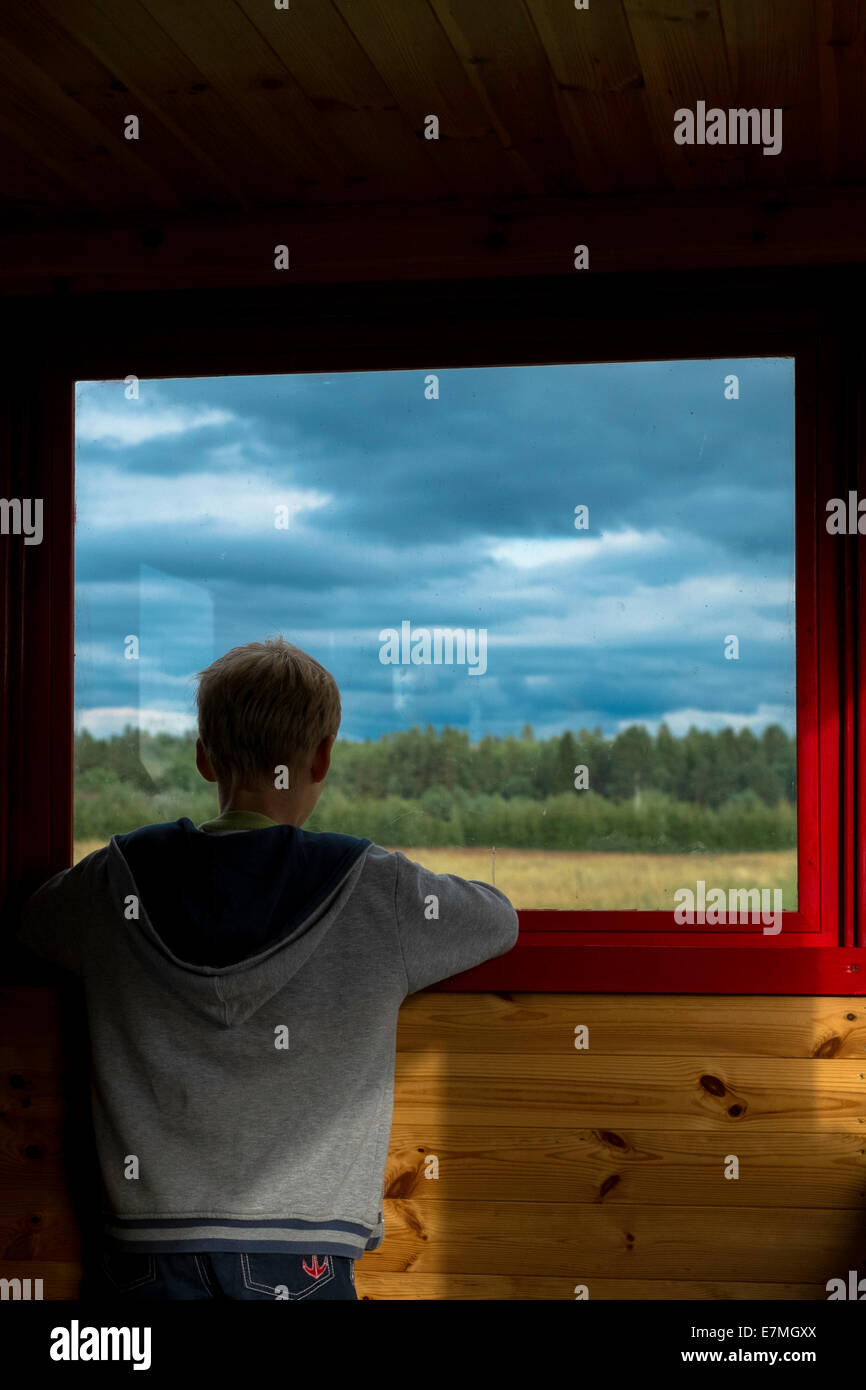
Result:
<point x="264" y="705"/>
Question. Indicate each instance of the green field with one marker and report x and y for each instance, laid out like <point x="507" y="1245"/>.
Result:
<point x="585" y="880"/>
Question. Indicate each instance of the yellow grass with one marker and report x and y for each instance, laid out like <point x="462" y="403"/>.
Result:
<point x="82" y="847"/>
<point x="559" y="879"/>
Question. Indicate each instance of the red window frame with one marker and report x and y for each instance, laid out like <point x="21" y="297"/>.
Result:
<point x="638" y="951"/>
<point x="676" y="317"/>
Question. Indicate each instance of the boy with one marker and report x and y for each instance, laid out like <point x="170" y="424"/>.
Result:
<point x="242" y="982"/>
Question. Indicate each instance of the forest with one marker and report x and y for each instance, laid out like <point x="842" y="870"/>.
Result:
<point x="636" y="791"/>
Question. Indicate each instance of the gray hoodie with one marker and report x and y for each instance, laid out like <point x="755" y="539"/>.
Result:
<point x="242" y="991"/>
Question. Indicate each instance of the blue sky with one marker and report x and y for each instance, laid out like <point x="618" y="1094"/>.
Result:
<point x="456" y="512"/>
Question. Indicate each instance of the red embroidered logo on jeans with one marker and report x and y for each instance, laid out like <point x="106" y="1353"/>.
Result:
<point x="315" y="1270"/>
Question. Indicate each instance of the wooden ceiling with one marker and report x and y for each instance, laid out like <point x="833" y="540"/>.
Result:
<point x="245" y="108"/>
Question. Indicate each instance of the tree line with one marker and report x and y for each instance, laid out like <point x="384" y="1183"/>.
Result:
<point x="725" y="791"/>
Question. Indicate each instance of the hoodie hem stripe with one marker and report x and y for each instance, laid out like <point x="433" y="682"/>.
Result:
<point x="256" y="1237"/>
<point x="200" y="1244"/>
<point x="281" y="1223"/>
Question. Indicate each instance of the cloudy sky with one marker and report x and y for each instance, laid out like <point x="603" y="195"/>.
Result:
<point x="456" y="512"/>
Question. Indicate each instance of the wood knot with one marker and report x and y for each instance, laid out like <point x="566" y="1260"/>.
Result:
<point x="607" y="1186"/>
<point x="607" y="1136"/>
<point x="713" y="1085"/>
<point x="404" y="1184"/>
<point x="828" y="1048"/>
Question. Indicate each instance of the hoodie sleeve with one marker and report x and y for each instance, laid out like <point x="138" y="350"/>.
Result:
<point x="447" y="924"/>
<point x="50" y="922"/>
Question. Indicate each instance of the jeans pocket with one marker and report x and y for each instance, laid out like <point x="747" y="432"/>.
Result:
<point x="125" y="1272"/>
<point x="286" y="1276"/>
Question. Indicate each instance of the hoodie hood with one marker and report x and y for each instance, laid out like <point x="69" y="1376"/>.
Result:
<point x="226" y="920"/>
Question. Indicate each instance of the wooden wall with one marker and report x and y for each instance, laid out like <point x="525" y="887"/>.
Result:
<point x="556" y="1166"/>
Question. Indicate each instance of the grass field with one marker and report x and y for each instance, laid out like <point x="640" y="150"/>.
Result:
<point x="558" y="879"/>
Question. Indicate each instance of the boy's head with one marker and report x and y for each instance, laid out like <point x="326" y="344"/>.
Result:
<point x="264" y="707"/>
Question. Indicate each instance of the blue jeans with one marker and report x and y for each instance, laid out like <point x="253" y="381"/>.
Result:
<point x="218" y="1274"/>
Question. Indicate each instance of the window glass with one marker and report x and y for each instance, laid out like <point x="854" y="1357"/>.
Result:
<point x="558" y="602"/>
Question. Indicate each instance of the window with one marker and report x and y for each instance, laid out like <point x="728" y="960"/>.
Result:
<point x="797" y="703"/>
<point x="536" y="628"/>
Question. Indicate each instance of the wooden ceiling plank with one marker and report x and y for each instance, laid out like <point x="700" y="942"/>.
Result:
<point x="841" y="47"/>
<point x="237" y="59"/>
<point x="418" y="67"/>
<point x="508" y="67"/>
<point x="58" y="132"/>
<point x="772" y="55"/>
<point x="352" y="101"/>
<point x="127" y="40"/>
<point x="99" y="91"/>
<point x="87" y="189"/>
<point x="600" y="94"/>
<point x="682" y="54"/>
<point x="28" y="189"/>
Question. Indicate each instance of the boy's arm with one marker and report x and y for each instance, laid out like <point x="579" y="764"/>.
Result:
<point x="49" y="922"/>
<point x="448" y="924"/>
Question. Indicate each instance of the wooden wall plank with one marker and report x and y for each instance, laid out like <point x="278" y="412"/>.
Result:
<point x="628" y="1242"/>
<point x="372" y="1285"/>
<point x="650" y="1025"/>
<point x="402" y="242"/>
<point x="668" y="1167"/>
<point x="727" y="1094"/>
<point x="43" y="1230"/>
